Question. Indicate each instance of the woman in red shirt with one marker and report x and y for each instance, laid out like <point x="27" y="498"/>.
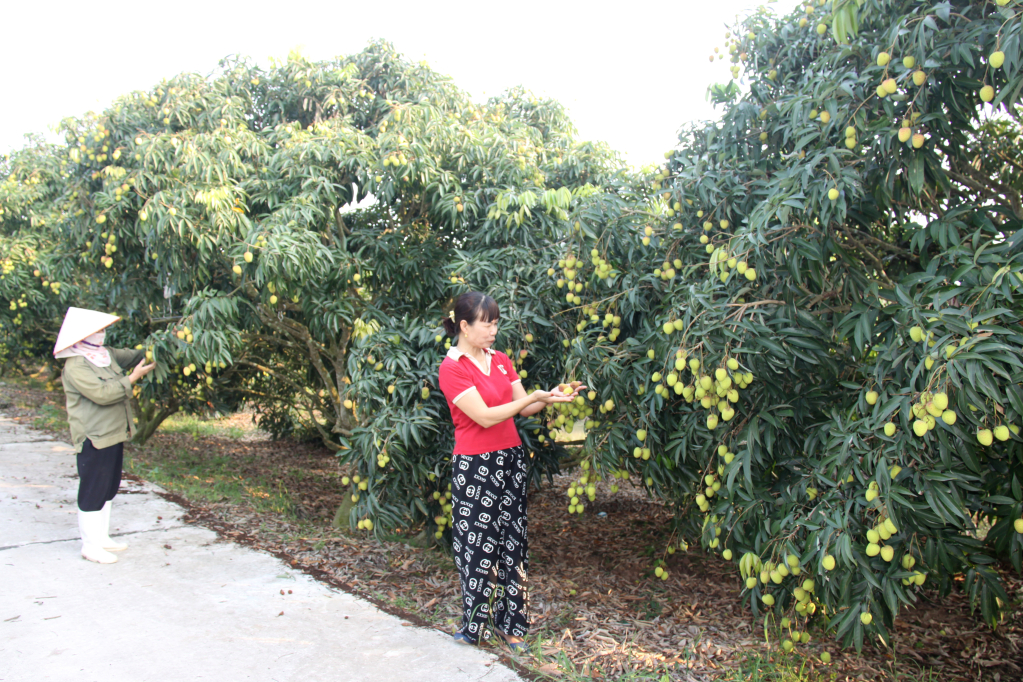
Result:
<point x="489" y="476"/>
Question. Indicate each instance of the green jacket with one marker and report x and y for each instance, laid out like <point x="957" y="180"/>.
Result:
<point x="99" y="399"/>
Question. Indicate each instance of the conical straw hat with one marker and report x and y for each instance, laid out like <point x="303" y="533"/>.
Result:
<point x="80" y="323"/>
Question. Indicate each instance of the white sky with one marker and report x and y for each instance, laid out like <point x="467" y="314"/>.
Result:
<point x="630" y="73"/>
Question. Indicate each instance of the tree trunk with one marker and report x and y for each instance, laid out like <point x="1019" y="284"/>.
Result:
<point x="150" y="418"/>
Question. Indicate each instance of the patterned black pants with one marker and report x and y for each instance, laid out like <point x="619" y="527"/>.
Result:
<point x="488" y="506"/>
<point x="99" y="475"/>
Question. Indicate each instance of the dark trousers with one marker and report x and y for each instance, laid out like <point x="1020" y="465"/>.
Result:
<point x="99" y="475"/>
<point x="488" y="506"/>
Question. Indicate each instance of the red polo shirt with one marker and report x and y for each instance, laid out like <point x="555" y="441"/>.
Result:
<point x="459" y="374"/>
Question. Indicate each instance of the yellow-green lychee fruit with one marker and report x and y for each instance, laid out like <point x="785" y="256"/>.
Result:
<point x="751" y="582"/>
<point x="996" y="59"/>
<point x="985" y="437"/>
<point x="887" y="552"/>
<point x="919" y="427"/>
<point x="866" y="618"/>
<point x="949" y="417"/>
<point x="871" y="397"/>
<point x="833" y="194"/>
<point x="883" y="58"/>
<point x="889" y="429"/>
<point x="641" y="435"/>
<point x="1002" y="432"/>
<point x="909" y="62"/>
<point x="768" y="599"/>
<point x="825" y="657"/>
<point x="987" y="93"/>
<point x="733" y="364"/>
<point x="917" y="334"/>
<point x="873" y="549"/>
<point x="828" y="563"/>
<point x="873" y="536"/>
<point x="1018" y="525"/>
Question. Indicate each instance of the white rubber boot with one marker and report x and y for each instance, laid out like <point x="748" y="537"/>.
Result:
<point x="91" y="525"/>
<point x="105" y="541"/>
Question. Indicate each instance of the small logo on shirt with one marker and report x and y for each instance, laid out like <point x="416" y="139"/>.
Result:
<point x="503" y="370"/>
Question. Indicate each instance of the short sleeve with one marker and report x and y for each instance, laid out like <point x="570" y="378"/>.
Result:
<point x="454" y="380"/>
<point x="509" y="366"/>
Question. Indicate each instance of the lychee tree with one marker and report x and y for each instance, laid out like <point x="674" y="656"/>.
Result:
<point x="291" y="237"/>
<point x="807" y="323"/>
<point x="33" y="296"/>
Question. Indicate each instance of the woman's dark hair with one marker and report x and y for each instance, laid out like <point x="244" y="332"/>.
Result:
<point x="471" y="307"/>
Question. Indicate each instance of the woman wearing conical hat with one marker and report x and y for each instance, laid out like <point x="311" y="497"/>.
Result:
<point x="99" y="413"/>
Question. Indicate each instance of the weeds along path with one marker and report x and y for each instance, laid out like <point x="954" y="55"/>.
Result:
<point x="598" y="610"/>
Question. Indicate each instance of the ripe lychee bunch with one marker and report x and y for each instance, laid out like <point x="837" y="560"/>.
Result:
<point x="712" y="485"/>
<point x="571" y="269"/>
<point x="882" y="532"/>
<point x="928" y="408"/>
<point x="712" y="527"/>
<point x="444" y="518"/>
<point x="585" y="485"/>
<point x="772" y="573"/>
<point x="716" y="393"/>
<point x="568" y="413"/>
<point x="601" y="268"/>
<point x="667" y="271"/>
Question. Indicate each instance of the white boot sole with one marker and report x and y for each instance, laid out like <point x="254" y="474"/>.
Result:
<point x="97" y="555"/>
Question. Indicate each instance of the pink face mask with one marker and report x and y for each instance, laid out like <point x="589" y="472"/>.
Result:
<point x="96" y="339"/>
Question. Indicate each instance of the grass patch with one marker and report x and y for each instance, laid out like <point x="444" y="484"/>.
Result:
<point x="754" y="666"/>
<point x="201" y="475"/>
<point x="50" y="418"/>
<point x="201" y="428"/>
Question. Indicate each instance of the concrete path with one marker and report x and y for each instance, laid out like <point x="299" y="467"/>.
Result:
<point x="179" y="604"/>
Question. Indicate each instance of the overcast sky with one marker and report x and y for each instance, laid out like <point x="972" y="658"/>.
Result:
<point x="630" y="73"/>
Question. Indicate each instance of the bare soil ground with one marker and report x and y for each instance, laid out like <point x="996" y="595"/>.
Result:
<point x="598" y="611"/>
